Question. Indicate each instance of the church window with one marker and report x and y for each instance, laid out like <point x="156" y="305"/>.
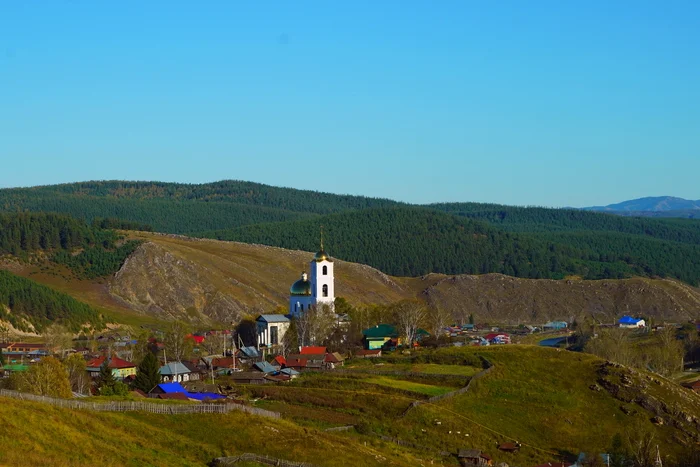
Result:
<point x="325" y="290"/>
<point x="325" y="270"/>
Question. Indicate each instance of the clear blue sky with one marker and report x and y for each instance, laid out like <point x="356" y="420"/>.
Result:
<point x="526" y="102"/>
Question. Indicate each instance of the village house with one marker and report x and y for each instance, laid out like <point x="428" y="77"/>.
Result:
<point x="333" y="360"/>
<point x="120" y="368"/>
<point x="631" y="323"/>
<point x="496" y="338"/>
<point x="23" y="352"/>
<point x="473" y="457"/>
<point x="509" y="447"/>
<point x="380" y="336"/>
<point x="177" y="391"/>
<point x="248" y="377"/>
<point x="264" y="367"/>
<point x="555" y="326"/>
<point x="178" y="372"/>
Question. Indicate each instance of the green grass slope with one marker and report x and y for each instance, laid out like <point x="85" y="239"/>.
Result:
<point x="556" y="403"/>
<point x="39" y="434"/>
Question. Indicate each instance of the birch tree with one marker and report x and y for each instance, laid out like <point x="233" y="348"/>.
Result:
<point x="409" y="316"/>
<point x="177" y="340"/>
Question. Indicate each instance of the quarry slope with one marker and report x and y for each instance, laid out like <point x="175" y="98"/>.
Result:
<point x="174" y="276"/>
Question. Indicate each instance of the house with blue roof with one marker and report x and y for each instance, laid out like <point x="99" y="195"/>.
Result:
<point x="176" y="388"/>
<point x="555" y="326"/>
<point x="265" y="367"/>
<point x="629" y="322"/>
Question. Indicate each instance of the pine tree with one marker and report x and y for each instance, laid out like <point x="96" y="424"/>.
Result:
<point x="105" y="378"/>
<point x="147" y="373"/>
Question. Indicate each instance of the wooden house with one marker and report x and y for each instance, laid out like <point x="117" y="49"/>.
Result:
<point x="471" y="457"/>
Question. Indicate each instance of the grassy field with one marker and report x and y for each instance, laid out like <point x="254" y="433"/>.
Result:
<point x="397" y="383"/>
<point x="37" y="434"/>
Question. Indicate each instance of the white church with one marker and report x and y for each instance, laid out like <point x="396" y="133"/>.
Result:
<point x="315" y="289"/>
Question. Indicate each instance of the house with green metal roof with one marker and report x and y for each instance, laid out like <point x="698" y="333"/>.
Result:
<point x="380" y="336"/>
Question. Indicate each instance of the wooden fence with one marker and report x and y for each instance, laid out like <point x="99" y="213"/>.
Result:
<point x="261" y="459"/>
<point x="487" y="364"/>
<point x="138" y="406"/>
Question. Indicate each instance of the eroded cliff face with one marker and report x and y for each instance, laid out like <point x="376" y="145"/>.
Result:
<point x="208" y="280"/>
<point x="154" y="280"/>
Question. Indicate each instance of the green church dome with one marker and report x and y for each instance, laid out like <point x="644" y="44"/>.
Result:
<point x="301" y="287"/>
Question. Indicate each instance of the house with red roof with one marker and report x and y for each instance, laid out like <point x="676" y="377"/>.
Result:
<point x="197" y="339"/>
<point x="297" y="363"/>
<point x="120" y="367"/>
<point x="333" y="360"/>
<point x="313" y="350"/>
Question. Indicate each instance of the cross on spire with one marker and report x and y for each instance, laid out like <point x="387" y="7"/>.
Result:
<point x="321" y="238"/>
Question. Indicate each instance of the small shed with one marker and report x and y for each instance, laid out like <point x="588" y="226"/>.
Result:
<point x="509" y="447"/>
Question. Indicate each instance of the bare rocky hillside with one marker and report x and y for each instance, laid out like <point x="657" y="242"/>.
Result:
<point x="172" y="276"/>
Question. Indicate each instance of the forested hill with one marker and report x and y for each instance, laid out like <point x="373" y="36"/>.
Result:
<point x="535" y="219"/>
<point x="414" y="241"/>
<point x="31" y="307"/>
<point x="90" y="251"/>
<point x="182" y="208"/>
<point x="397" y="238"/>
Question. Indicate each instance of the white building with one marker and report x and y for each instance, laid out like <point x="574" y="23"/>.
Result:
<point x="317" y="288"/>
<point x="271" y="329"/>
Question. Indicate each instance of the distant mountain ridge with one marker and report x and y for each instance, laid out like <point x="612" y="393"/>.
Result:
<point x="650" y="204"/>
